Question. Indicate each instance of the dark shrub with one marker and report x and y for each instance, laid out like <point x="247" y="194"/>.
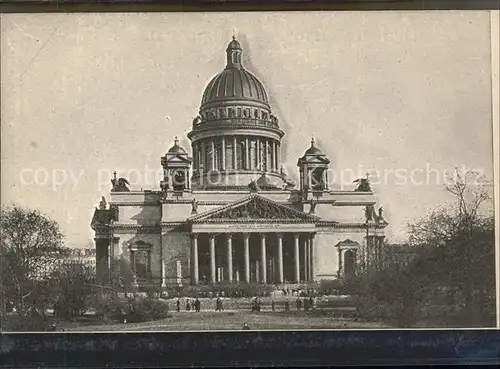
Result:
<point x="133" y="310"/>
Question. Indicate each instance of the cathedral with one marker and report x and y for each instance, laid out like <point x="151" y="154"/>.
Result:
<point x="226" y="211"/>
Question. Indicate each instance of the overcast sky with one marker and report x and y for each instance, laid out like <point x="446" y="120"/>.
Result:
<point x="85" y="94"/>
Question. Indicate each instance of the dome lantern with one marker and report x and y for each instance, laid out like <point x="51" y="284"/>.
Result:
<point x="233" y="52"/>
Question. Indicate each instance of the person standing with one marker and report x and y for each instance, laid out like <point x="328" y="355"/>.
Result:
<point x="299" y="303"/>
<point x="287" y="306"/>
<point x="197" y="305"/>
<point x="273" y="306"/>
<point x="178" y="304"/>
<point x="188" y="305"/>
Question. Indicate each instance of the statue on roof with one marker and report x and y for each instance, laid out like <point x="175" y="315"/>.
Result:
<point x="363" y="184"/>
<point x="119" y="184"/>
<point x="380" y="217"/>
<point x="196" y="120"/>
<point x="102" y="204"/>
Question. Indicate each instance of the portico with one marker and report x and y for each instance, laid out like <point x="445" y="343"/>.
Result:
<point x="252" y="240"/>
<point x="252" y="257"/>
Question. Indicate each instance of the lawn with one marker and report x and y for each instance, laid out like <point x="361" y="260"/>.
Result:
<point x="233" y="320"/>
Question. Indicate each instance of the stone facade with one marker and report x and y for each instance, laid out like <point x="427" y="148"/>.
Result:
<point x="229" y="213"/>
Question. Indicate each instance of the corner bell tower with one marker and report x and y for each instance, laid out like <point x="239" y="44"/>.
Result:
<point x="313" y="168"/>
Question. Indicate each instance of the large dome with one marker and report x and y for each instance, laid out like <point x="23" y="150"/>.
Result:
<point x="235" y="137"/>
<point x="234" y="84"/>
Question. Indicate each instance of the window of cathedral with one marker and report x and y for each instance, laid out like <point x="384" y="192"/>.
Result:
<point x="264" y="115"/>
<point x="349" y="263"/>
<point x="239" y="112"/>
<point x="317" y="180"/>
<point x="142" y="264"/>
<point x="222" y="113"/>
<point x="179" y="179"/>
<point x="231" y="112"/>
<point x="246" y="113"/>
<point x="256" y="113"/>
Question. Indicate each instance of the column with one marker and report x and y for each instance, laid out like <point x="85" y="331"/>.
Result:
<point x="246" y="252"/>
<point x="278" y="155"/>
<point x="203" y="157"/>
<point x="273" y="154"/>
<point x="229" y="241"/>
<point x="306" y="259"/>
<point x="247" y="154"/>
<point x="212" y="142"/>
<point x="265" y="155"/>
<point x="163" y="280"/>
<point x="223" y="153"/>
<point x="257" y="151"/>
<point x="212" y="257"/>
<point x="312" y="263"/>
<point x="132" y="262"/>
<point x="235" y="157"/>
<point x="280" y="257"/>
<point x="297" y="261"/>
<point x="263" y="257"/>
<point x="194" y="257"/>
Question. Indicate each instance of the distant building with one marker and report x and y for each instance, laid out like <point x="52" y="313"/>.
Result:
<point x="227" y="211"/>
<point x="82" y="260"/>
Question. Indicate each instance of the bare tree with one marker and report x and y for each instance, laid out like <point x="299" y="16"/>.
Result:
<point x="31" y="247"/>
<point x="460" y="244"/>
<point x="450" y="277"/>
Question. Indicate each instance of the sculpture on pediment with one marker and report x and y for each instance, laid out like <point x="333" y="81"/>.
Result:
<point x="102" y="203"/>
<point x="253" y="186"/>
<point x="257" y="210"/>
<point x="312" y="204"/>
<point x="194" y="206"/>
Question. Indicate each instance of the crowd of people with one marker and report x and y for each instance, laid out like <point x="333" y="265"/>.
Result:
<point x="305" y="303"/>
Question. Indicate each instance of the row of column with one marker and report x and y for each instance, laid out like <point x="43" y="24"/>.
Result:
<point x="248" y="158"/>
<point x="309" y="265"/>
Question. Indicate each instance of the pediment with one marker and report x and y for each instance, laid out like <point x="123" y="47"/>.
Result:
<point x="178" y="159"/>
<point x="317" y="160"/>
<point x="255" y="208"/>
<point x="347" y="243"/>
